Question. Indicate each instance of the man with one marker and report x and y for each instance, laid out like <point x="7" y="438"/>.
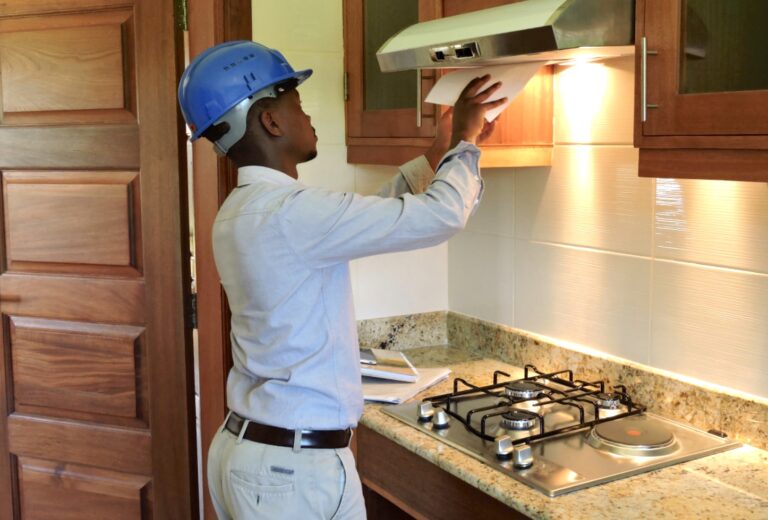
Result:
<point x="282" y="251"/>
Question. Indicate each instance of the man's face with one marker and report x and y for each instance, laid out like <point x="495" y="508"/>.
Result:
<point x="298" y="127"/>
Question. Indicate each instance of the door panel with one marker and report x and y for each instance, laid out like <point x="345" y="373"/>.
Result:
<point x="68" y="68"/>
<point x="50" y="491"/>
<point x="72" y="367"/>
<point x="97" y="419"/>
<point x="97" y="229"/>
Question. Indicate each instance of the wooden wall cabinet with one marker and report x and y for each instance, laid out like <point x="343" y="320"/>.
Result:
<point x="384" y="125"/>
<point x="701" y="100"/>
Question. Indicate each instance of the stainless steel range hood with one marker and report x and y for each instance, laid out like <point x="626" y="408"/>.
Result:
<point x="531" y="30"/>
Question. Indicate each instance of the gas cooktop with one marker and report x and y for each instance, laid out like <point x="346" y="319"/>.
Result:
<point x="556" y="433"/>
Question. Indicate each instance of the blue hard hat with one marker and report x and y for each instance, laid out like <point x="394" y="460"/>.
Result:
<point x="221" y="77"/>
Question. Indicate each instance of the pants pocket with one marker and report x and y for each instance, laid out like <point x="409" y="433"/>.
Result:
<point x="264" y="494"/>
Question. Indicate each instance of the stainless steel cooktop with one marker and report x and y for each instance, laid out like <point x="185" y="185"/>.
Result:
<point x="556" y="433"/>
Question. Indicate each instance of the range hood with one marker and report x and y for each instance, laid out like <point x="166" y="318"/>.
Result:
<point x="530" y="30"/>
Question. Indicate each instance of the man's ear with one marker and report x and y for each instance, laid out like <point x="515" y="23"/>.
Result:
<point x="270" y="121"/>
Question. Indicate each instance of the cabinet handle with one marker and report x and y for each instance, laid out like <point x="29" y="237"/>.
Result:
<point x="10" y="298"/>
<point x="418" y="98"/>
<point x="644" y="106"/>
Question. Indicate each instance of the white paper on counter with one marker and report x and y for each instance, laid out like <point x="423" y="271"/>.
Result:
<point x="513" y="79"/>
<point x="385" y="391"/>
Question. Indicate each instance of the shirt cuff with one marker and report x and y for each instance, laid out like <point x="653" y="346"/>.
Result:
<point x="463" y="146"/>
<point x="418" y="174"/>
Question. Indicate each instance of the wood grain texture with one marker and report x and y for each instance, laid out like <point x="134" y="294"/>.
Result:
<point x="211" y="22"/>
<point x="396" y="473"/>
<point x="702" y="136"/>
<point x="116" y="449"/>
<point x="381" y="123"/>
<point x="76" y="223"/>
<point x="90" y="393"/>
<point x="75" y="366"/>
<point x="737" y="165"/>
<point x="159" y="63"/>
<point x="72" y="298"/>
<point x="11" y="8"/>
<point x="527" y="121"/>
<point x="73" y="492"/>
<point x="79" y="222"/>
<point x="85" y="65"/>
<point x="719" y="113"/>
<point x="396" y="152"/>
<point x="97" y="147"/>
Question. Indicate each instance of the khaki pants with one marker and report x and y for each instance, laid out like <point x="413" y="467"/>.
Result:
<point x="252" y="481"/>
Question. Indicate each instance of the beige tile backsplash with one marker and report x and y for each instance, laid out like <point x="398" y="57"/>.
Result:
<point x="669" y="273"/>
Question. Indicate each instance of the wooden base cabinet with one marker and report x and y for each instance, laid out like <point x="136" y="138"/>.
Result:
<point x="387" y="119"/>
<point x="399" y="484"/>
<point x="702" y="89"/>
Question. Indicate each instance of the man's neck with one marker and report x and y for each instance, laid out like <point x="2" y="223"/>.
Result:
<point x="285" y="166"/>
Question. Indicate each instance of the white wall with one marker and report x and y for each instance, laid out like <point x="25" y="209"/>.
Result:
<point x="669" y="273"/>
<point x="309" y="33"/>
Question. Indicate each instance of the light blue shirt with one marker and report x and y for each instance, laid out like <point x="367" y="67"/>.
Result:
<point x="282" y="251"/>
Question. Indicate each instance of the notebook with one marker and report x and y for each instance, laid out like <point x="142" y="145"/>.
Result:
<point x="387" y="364"/>
<point x="384" y="391"/>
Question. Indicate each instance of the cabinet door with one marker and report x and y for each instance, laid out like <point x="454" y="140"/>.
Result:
<point x="707" y="72"/>
<point x="385" y="105"/>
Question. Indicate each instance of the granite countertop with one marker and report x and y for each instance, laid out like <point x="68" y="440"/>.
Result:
<point x="732" y="485"/>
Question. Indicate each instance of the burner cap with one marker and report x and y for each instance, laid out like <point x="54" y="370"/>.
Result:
<point x="517" y="420"/>
<point x="636" y="435"/>
<point x="610" y="401"/>
<point x="522" y="390"/>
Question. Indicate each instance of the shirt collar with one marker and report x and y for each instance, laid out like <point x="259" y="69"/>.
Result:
<point x="251" y="174"/>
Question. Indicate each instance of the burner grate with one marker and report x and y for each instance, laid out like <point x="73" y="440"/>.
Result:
<point x="537" y="393"/>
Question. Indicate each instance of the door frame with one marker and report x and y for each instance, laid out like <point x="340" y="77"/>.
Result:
<point x="212" y="22"/>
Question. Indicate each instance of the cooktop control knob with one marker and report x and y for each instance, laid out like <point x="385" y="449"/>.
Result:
<point x="440" y="419"/>
<point x="522" y="456"/>
<point x="504" y="447"/>
<point x="426" y="411"/>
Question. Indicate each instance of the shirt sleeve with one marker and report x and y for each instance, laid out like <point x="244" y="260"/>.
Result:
<point x="413" y="177"/>
<point x="325" y="227"/>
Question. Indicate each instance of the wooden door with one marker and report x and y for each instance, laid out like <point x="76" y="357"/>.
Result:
<point x="96" y="367"/>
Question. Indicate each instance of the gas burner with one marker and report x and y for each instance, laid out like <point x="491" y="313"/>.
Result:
<point x="637" y="436"/>
<point x="608" y="401"/>
<point x="522" y="390"/>
<point x="517" y="420"/>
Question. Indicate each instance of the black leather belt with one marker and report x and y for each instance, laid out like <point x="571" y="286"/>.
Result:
<point x="265" y="434"/>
